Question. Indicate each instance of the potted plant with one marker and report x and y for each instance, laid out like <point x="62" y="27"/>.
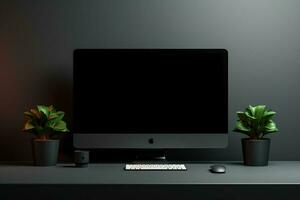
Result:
<point x="256" y="122"/>
<point x="45" y="123"/>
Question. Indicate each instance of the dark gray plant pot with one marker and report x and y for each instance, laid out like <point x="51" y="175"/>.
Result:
<point x="256" y="152"/>
<point x="45" y="152"/>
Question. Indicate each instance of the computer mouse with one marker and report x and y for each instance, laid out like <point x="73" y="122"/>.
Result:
<point x="219" y="169"/>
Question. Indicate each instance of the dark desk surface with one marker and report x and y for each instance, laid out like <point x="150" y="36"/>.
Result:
<point x="278" y="172"/>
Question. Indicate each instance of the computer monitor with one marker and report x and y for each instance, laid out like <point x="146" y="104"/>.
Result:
<point x="150" y="98"/>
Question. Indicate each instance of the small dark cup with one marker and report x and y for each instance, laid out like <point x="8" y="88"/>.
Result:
<point x="81" y="158"/>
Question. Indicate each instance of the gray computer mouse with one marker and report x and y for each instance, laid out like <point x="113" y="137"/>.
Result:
<point x="219" y="169"/>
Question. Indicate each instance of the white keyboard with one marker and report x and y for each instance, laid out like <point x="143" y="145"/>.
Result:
<point x="155" y="167"/>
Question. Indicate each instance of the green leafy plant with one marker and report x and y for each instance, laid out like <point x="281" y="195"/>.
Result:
<point x="44" y="122"/>
<point x="256" y="122"/>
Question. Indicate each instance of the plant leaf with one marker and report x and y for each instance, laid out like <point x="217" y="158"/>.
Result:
<point x="51" y="108"/>
<point x="44" y="110"/>
<point x="241" y="127"/>
<point x="36" y="113"/>
<point x="61" y="126"/>
<point x="56" y="117"/>
<point x="268" y="115"/>
<point x="270" y="127"/>
<point x="28" y="126"/>
<point x="259" y="111"/>
<point x="52" y="116"/>
<point x="243" y="116"/>
<point x="39" y="130"/>
<point x="59" y="114"/>
<point x="251" y="110"/>
<point x="29" y="114"/>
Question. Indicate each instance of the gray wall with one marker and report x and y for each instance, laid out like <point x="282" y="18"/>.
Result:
<point x="262" y="36"/>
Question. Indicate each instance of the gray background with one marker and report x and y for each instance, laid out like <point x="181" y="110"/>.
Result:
<point x="262" y="36"/>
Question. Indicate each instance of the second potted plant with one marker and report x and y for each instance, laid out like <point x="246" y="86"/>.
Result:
<point x="256" y="122"/>
<point x="44" y="122"/>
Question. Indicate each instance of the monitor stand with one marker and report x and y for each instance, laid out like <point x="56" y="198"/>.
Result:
<point x="151" y="156"/>
<point x="153" y="160"/>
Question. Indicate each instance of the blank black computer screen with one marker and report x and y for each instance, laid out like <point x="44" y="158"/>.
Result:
<point x="150" y="91"/>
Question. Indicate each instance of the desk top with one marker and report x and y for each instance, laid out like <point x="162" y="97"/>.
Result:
<point x="278" y="172"/>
